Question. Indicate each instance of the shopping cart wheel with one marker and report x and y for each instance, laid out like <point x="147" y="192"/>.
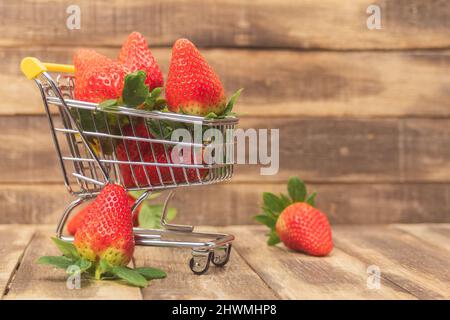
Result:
<point x="200" y="261"/>
<point x="221" y="255"/>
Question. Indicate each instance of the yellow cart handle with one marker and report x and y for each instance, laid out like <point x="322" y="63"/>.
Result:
<point x="33" y="67"/>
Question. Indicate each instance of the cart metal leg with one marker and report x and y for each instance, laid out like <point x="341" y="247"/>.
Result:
<point x="215" y="247"/>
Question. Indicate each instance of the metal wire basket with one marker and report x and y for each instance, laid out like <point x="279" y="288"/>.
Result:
<point x="133" y="147"/>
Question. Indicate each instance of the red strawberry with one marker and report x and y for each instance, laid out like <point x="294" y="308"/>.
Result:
<point x="84" y="58"/>
<point x="135" y="55"/>
<point x="302" y="227"/>
<point x="192" y="86"/>
<point x="107" y="232"/>
<point x="295" y="221"/>
<point x="97" y="78"/>
<point x="78" y="218"/>
<point x="139" y="175"/>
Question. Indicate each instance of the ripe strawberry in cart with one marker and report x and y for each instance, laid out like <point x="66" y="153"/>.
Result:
<point x="135" y="55"/>
<point x="100" y="78"/>
<point x="143" y="176"/>
<point x="192" y="85"/>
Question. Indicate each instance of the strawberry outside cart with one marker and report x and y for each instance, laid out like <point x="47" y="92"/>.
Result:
<point x="132" y="147"/>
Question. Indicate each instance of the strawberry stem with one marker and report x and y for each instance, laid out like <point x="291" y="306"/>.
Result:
<point x="98" y="272"/>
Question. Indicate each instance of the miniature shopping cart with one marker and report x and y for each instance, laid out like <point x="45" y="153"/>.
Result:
<point x="87" y="139"/>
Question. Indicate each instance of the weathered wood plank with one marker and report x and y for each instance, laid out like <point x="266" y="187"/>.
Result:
<point x="234" y="281"/>
<point x="318" y="150"/>
<point x="357" y="150"/>
<point x="33" y="204"/>
<point x="290" y="24"/>
<point x="297" y="276"/>
<point x="403" y="259"/>
<point x="343" y="203"/>
<point x="435" y="234"/>
<point x="33" y="281"/>
<point x="286" y="83"/>
<point x="13" y="241"/>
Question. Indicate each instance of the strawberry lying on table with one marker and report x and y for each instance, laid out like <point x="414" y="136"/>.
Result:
<point x="294" y="221"/>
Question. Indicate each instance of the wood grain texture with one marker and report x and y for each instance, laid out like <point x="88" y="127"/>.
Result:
<point x="403" y="259"/>
<point x="289" y="24"/>
<point x="285" y="83"/>
<point x="13" y="241"/>
<point x="234" y="281"/>
<point x="297" y="276"/>
<point x="412" y="261"/>
<point x="343" y="203"/>
<point x="435" y="234"/>
<point x="318" y="150"/>
<point x="33" y="281"/>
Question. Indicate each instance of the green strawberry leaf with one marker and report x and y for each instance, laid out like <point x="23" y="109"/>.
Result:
<point x="67" y="248"/>
<point x="104" y="265"/>
<point x="159" y="104"/>
<point x="150" y="216"/>
<point x="163" y="129"/>
<point x="211" y="116"/>
<point x="135" y="91"/>
<point x="296" y="189"/>
<point x="156" y="92"/>
<point x="273" y="238"/>
<point x="84" y="264"/>
<point x="109" y="105"/>
<point x="171" y="213"/>
<point x="266" y="220"/>
<point x="272" y="202"/>
<point x="151" y="273"/>
<point x="129" y="275"/>
<point x="231" y="102"/>
<point x="270" y="213"/>
<point x="152" y="99"/>
<point x="286" y="201"/>
<point x="61" y="262"/>
<point x="109" y="276"/>
<point x="311" y="200"/>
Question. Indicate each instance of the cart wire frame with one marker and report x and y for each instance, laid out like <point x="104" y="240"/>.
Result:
<point x="92" y="138"/>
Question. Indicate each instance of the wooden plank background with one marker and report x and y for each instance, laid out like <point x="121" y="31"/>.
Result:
<point x="364" y="116"/>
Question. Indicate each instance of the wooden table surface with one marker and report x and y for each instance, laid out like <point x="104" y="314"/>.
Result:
<point x="414" y="261"/>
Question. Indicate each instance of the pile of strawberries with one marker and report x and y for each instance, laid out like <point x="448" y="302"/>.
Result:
<point x="135" y="80"/>
<point x="192" y="85"/>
